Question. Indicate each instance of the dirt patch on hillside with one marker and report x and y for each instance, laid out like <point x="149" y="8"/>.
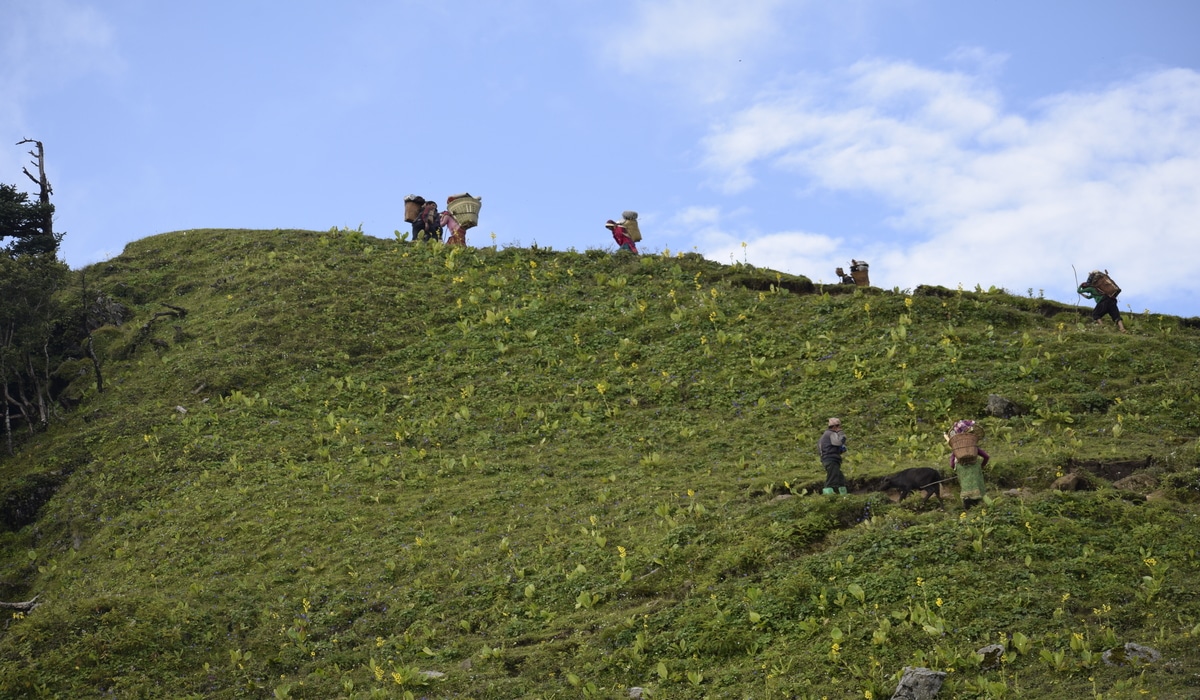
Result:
<point x="1111" y="471"/>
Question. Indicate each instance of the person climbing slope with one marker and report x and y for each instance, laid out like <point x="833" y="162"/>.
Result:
<point x="1100" y="287"/>
<point x="968" y="468"/>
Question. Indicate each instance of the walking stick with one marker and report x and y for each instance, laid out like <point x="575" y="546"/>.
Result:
<point x="1076" y="285"/>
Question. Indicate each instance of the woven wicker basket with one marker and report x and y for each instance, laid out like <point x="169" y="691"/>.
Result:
<point x="1107" y="287"/>
<point x="465" y="209"/>
<point x="631" y="227"/>
<point x="861" y="278"/>
<point x="965" y="446"/>
<point x="411" y="211"/>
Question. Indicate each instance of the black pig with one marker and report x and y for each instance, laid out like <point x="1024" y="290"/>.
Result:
<point x="914" y="479"/>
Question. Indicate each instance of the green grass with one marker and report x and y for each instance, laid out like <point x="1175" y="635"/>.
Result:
<point x="562" y="474"/>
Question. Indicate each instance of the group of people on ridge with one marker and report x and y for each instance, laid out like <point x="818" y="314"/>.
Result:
<point x="428" y="223"/>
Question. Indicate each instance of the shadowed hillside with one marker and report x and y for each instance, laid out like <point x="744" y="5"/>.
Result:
<point x="330" y="466"/>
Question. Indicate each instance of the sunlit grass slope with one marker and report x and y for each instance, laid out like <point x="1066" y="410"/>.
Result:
<point x="349" y="467"/>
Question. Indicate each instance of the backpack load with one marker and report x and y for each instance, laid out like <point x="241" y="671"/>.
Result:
<point x="1104" y="284"/>
<point x="965" y="447"/>
<point x="412" y="207"/>
<point x="858" y="271"/>
<point x="465" y="209"/>
<point x="629" y="221"/>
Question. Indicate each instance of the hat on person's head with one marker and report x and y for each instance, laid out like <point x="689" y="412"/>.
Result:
<point x="834" y="422"/>
<point x="610" y="224"/>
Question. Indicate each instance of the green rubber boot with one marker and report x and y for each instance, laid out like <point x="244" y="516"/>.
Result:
<point x="827" y="491"/>
<point x="842" y="490"/>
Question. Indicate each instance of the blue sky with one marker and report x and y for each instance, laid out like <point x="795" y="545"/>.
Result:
<point x="944" y="142"/>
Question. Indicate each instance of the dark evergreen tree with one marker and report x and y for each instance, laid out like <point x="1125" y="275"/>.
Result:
<point x="23" y="224"/>
<point x="30" y="315"/>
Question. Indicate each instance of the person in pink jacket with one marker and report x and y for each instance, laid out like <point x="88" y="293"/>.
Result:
<point x="621" y="236"/>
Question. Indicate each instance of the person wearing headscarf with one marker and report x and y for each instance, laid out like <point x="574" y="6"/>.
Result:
<point x="458" y="234"/>
<point x="969" y="471"/>
<point x="831" y="446"/>
<point x="621" y="236"/>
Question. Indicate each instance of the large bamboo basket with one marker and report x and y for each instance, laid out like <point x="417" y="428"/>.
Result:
<point x="465" y="210"/>
<point x="965" y="446"/>
<point x="411" y="211"/>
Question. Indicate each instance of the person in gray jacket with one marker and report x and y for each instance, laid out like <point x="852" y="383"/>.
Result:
<point x="831" y="446"/>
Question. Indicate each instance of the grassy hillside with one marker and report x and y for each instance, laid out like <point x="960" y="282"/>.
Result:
<point x="331" y="466"/>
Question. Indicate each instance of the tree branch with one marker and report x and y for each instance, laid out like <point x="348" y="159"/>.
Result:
<point x="24" y="607"/>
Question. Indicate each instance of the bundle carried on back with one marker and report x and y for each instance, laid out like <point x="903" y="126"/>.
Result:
<point x="629" y="221"/>
<point x="965" y="446"/>
<point x="859" y="272"/>
<point x="964" y="441"/>
<point x="1103" y="283"/>
<point x="412" y="207"/>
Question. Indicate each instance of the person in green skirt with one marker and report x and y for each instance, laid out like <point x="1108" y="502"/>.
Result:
<point x="969" y="471"/>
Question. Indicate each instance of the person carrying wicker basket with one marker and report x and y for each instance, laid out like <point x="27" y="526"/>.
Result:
<point x="1100" y="287"/>
<point x="621" y="235"/>
<point x="462" y="213"/>
<point x="458" y="235"/>
<point x="423" y="215"/>
<point x="965" y="455"/>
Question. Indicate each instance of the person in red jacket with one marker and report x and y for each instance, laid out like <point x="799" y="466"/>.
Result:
<point x="621" y="236"/>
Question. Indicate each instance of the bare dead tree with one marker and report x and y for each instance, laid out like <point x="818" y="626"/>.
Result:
<point x="43" y="183"/>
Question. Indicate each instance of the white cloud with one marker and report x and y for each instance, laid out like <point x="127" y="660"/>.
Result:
<point x="1106" y="178"/>
<point x="697" y="216"/>
<point x="707" y="227"/>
